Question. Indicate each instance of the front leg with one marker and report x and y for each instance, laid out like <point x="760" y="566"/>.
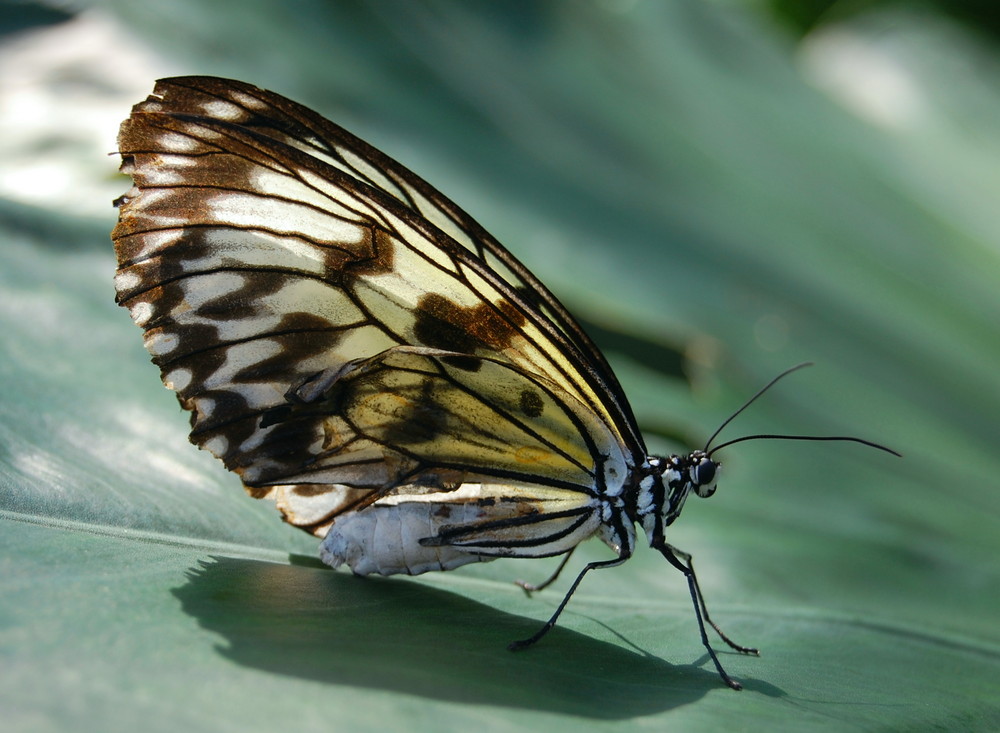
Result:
<point x="683" y="562"/>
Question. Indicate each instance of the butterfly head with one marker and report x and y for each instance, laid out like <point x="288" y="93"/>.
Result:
<point x="701" y="471"/>
<point x="667" y="484"/>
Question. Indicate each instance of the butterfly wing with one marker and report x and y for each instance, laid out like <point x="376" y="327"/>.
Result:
<point x="439" y="420"/>
<point x="274" y="261"/>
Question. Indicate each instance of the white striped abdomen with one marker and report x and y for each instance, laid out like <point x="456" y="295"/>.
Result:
<point x="384" y="538"/>
<point x="416" y="533"/>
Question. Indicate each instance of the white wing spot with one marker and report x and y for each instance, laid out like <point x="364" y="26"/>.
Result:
<point x="178" y="380"/>
<point x="239" y="358"/>
<point x="217" y="446"/>
<point x="222" y="110"/>
<point x="248" y="101"/>
<point x="127" y="280"/>
<point x="170" y="171"/>
<point x="141" y="312"/>
<point x="161" y="342"/>
<point x="204" y="406"/>
<point x="176" y="142"/>
<point x="200" y="290"/>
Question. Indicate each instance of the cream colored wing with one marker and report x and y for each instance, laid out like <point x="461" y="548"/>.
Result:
<point x="265" y="251"/>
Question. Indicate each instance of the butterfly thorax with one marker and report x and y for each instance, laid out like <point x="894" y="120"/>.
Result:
<point x="664" y="487"/>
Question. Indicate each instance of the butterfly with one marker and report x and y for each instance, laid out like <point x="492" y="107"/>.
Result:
<point x="361" y="352"/>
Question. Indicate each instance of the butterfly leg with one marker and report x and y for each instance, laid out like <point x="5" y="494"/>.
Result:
<point x="530" y="588"/>
<point x="683" y="562"/>
<point x="523" y="643"/>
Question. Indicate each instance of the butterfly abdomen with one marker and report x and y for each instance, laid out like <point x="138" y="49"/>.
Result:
<point x="384" y="539"/>
<point x="414" y="533"/>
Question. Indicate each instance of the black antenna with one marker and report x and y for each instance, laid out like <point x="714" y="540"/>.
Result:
<point x="772" y="436"/>
<point x="768" y="436"/>
<point x="750" y="401"/>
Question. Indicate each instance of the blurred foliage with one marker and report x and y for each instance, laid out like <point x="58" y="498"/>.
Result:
<point x="18" y="16"/>
<point x="804" y="16"/>
<point x="677" y="174"/>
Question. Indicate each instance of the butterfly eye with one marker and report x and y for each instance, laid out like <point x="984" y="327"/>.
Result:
<point x="703" y="475"/>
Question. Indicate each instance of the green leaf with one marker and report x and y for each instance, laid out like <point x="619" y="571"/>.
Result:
<point x="668" y="171"/>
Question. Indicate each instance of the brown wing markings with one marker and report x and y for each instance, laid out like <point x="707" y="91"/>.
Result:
<point x="413" y="465"/>
<point x="381" y="258"/>
<point x="171" y="301"/>
<point x="199" y="87"/>
<point x="364" y="219"/>
<point x="386" y="200"/>
<point x="443" y="324"/>
<point x="172" y="282"/>
<point x="425" y="421"/>
<point x="543" y="299"/>
<point x="319" y="129"/>
<point x="204" y="228"/>
<point x="302" y="128"/>
<point x="445" y="243"/>
<point x="289" y="330"/>
<point x="320" y="137"/>
<point x="212" y="224"/>
<point x="495" y="324"/>
<point x="253" y="150"/>
<point x="480" y="239"/>
<point x="265" y="145"/>
<point x="589" y="390"/>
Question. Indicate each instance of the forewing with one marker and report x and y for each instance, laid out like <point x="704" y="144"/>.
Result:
<point x="262" y="246"/>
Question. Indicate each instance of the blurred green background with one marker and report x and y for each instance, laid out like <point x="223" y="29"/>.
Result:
<point x="718" y="189"/>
